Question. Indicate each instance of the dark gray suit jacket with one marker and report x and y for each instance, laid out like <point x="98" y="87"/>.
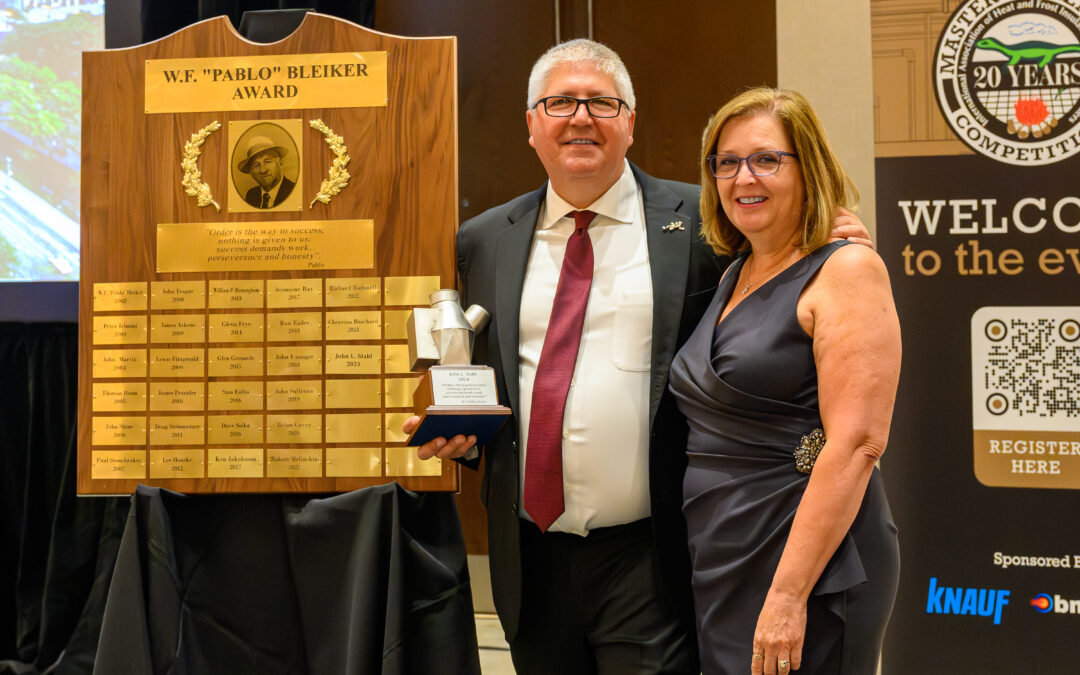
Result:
<point x="493" y="252"/>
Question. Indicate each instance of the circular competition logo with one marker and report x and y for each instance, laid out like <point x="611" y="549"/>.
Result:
<point x="1008" y="78"/>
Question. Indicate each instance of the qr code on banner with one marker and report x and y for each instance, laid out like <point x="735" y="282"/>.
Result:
<point x="1025" y="368"/>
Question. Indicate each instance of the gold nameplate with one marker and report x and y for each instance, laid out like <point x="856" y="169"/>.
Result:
<point x="353" y="393"/>
<point x="236" y="327"/>
<point x="119" y="363"/>
<point x="235" y="361"/>
<point x="353" y="428"/>
<point x="118" y="397"/>
<point x="294" y="428"/>
<point x="277" y="82"/>
<point x="299" y="326"/>
<point x="284" y="245"/>
<point x="285" y="361"/>
<point x="177" y="463"/>
<point x="393" y="422"/>
<point x="119" y="330"/>
<point x="404" y="462"/>
<point x="118" y="430"/>
<point x="282" y="293"/>
<point x="125" y="297"/>
<point x="178" y="328"/>
<point x="177" y="295"/>
<point x="354" y="292"/>
<point x="396" y="323"/>
<point x="294" y="463"/>
<point x="107" y="464"/>
<point x="177" y="363"/>
<point x="178" y="430"/>
<point x="235" y="396"/>
<point x="353" y="462"/>
<point x="353" y="326"/>
<point x="397" y="359"/>
<point x="409" y="290"/>
<point x="234" y="463"/>
<point x="399" y="391"/>
<point x="294" y="395"/>
<point x="176" y="395"/>
<point x="225" y="429"/>
<point x="236" y="294"/>
<point x="353" y="359"/>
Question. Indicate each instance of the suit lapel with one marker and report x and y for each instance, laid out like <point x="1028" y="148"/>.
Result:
<point x="669" y="257"/>
<point x="512" y="255"/>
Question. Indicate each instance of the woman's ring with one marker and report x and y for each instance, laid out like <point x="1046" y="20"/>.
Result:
<point x="758" y="657"/>
<point x="783" y="664"/>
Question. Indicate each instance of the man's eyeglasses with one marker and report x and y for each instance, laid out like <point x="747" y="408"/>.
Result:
<point x="567" y="106"/>
<point x="764" y="163"/>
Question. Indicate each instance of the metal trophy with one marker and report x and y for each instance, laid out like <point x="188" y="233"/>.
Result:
<point x="453" y="397"/>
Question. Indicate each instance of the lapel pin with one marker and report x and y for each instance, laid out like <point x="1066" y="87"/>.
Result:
<point x="672" y="226"/>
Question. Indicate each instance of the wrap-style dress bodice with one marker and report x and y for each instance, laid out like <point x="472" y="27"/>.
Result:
<point x="748" y="388"/>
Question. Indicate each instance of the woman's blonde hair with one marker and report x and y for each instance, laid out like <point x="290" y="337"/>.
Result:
<point x="826" y="184"/>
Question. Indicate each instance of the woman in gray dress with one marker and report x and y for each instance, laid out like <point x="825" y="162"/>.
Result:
<point x="788" y="385"/>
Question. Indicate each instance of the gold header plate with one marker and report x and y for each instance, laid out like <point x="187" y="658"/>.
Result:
<point x="397" y="359"/>
<point x="235" y="361"/>
<point x="294" y="395"/>
<point x="277" y="82"/>
<point x="409" y="290"/>
<point x="234" y="463"/>
<point x="286" y="361"/>
<point x="119" y="330"/>
<point x="226" y="429"/>
<point x="290" y="293"/>
<point x="235" y="396"/>
<point x="399" y="391"/>
<point x="236" y="327"/>
<point x="404" y="462"/>
<point x="353" y="394"/>
<point x="353" y="359"/>
<point x="186" y="362"/>
<point x="354" y="292"/>
<point x="177" y="430"/>
<point x="354" y="325"/>
<point x="118" y="430"/>
<point x="117" y="464"/>
<point x="186" y="396"/>
<point x="353" y="462"/>
<point x="119" y="363"/>
<point x="284" y="245"/>
<point x="236" y="294"/>
<point x="118" y="397"/>
<point x="294" y="326"/>
<point x="353" y="428"/>
<point x="123" y="297"/>
<point x="294" y="463"/>
<point x="177" y="295"/>
<point x="294" y="428"/>
<point x="177" y="463"/>
<point x="177" y="328"/>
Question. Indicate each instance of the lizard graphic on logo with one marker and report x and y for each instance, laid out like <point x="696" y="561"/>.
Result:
<point x="1043" y="52"/>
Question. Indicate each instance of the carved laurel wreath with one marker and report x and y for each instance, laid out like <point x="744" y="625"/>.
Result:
<point x="338" y="177"/>
<point x="192" y="181"/>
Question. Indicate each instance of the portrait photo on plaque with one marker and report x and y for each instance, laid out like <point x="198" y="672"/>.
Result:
<point x="265" y="164"/>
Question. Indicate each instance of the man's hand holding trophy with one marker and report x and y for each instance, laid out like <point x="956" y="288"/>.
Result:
<point x="454" y="400"/>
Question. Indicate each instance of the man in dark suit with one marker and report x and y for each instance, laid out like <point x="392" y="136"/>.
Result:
<point x="595" y="578"/>
<point x="263" y="162"/>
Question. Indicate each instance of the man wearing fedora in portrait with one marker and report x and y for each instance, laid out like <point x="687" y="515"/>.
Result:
<point x="263" y="163"/>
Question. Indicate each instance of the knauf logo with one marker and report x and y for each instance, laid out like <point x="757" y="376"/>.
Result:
<point x="965" y="601"/>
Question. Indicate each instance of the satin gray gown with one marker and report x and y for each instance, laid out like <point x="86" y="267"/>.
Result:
<point x="748" y="388"/>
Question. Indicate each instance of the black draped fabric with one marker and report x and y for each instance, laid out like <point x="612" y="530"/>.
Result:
<point x="373" y="581"/>
<point x="56" y="551"/>
<point x="748" y="388"/>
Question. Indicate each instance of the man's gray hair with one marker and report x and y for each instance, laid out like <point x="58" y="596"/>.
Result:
<point x="602" y="57"/>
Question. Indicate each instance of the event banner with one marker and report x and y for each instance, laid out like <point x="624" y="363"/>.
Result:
<point x="978" y="210"/>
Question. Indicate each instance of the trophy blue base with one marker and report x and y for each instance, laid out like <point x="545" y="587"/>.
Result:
<point x="448" y="423"/>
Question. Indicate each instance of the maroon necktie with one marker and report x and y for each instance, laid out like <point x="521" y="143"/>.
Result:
<point x="543" y="459"/>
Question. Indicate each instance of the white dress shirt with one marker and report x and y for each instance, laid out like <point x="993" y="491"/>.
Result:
<point x="606" y="420"/>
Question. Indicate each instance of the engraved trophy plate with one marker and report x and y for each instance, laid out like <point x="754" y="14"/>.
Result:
<point x="177" y="463"/>
<point x="234" y="463"/>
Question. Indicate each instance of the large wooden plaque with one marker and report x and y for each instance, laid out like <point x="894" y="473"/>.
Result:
<point x="236" y="342"/>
